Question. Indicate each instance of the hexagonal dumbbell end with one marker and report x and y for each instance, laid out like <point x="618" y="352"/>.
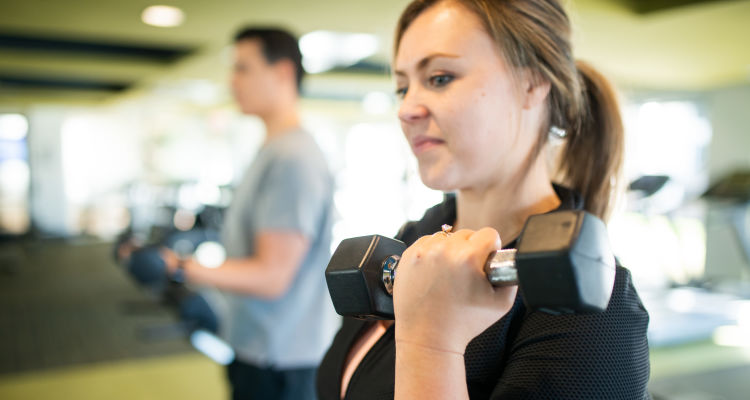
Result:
<point x="565" y="263"/>
<point x="355" y="276"/>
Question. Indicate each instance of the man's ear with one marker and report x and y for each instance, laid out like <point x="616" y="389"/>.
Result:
<point x="286" y="70"/>
<point x="535" y="89"/>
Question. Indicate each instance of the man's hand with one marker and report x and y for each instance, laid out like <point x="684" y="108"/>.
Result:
<point x="171" y="260"/>
<point x="267" y="274"/>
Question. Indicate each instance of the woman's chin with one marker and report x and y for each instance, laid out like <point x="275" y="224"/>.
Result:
<point x="436" y="180"/>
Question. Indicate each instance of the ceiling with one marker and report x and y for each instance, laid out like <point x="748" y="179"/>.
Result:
<point x="90" y="51"/>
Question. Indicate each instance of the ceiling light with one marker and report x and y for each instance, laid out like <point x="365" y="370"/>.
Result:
<point x="163" y="16"/>
<point x="13" y="127"/>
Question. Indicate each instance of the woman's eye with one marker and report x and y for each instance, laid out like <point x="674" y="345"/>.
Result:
<point x="401" y="92"/>
<point x="440" y="80"/>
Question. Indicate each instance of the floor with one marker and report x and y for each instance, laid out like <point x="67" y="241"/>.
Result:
<point x="67" y="303"/>
<point x="189" y="376"/>
<point x="74" y="326"/>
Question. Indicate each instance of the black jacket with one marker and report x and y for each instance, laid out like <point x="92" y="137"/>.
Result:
<point x="525" y="355"/>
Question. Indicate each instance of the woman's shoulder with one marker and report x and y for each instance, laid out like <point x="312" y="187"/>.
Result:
<point x="624" y="294"/>
<point x="594" y="355"/>
<point x="565" y="352"/>
<point x="624" y="318"/>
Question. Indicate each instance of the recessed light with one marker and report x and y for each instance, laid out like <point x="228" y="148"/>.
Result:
<point x="13" y="127"/>
<point x="163" y="16"/>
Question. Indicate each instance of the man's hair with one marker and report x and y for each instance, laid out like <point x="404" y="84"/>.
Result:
<point x="276" y="44"/>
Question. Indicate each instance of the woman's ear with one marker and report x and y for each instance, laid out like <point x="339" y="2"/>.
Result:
<point x="535" y="91"/>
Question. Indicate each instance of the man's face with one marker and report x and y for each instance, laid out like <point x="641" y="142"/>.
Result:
<point x="254" y="80"/>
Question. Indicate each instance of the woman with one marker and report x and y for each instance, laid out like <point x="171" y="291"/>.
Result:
<point x="484" y="84"/>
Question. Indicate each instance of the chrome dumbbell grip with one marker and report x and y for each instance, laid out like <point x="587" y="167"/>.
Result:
<point x="389" y="272"/>
<point x="500" y="268"/>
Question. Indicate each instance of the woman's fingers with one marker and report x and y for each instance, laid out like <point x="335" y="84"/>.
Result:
<point x="488" y="238"/>
<point x="502" y="298"/>
<point x="461" y="234"/>
<point x="442" y="296"/>
<point x="462" y="246"/>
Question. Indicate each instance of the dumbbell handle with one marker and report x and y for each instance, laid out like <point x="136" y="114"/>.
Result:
<point x="500" y="269"/>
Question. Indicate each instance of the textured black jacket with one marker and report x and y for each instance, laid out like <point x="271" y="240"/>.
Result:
<point x="525" y="355"/>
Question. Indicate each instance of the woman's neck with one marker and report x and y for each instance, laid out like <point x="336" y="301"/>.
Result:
<point x="506" y="206"/>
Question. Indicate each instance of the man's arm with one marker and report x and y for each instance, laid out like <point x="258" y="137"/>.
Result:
<point x="267" y="274"/>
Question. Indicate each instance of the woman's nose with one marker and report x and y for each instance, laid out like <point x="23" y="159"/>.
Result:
<point x="412" y="109"/>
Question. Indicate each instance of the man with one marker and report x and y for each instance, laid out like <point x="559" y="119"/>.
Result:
<point x="276" y="233"/>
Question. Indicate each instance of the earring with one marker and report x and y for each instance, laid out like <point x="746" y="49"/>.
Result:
<point x="557" y="132"/>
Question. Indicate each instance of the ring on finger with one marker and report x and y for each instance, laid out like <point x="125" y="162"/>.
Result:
<point x="446" y="230"/>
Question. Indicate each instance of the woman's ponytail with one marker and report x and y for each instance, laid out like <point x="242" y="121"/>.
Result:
<point x="592" y="158"/>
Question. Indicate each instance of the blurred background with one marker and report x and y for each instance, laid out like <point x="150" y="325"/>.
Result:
<point x="117" y="121"/>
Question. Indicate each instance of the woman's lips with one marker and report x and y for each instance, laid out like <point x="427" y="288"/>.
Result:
<point x="423" y="143"/>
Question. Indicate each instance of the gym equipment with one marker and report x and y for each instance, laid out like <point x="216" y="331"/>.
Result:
<point x="160" y="216"/>
<point x="647" y="185"/>
<point x="144" y="263"/>
<point x="563" y="264"/>
<point x="194" y="310"/>
<point x="729" y="197"/>
<point x="198" y="314"/>
<point x="147" y="267"/>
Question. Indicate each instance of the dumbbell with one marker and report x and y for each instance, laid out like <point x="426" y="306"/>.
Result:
<point x="563" y="264"/>
<point x="193" y="308"/>
<point x="147" y="267"/>
<point x="145" y="263"/>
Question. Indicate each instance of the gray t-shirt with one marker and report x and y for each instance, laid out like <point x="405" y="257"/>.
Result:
<point x="288" y="187"/>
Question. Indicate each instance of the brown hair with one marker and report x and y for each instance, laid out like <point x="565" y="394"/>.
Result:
<point x="534" y="35"/>
<point x="277" y="44"/>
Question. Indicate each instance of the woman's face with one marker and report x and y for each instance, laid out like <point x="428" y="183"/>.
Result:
<point x="462" y="112"/>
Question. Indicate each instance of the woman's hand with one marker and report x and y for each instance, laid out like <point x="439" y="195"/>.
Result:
<point x="442" y="298"/>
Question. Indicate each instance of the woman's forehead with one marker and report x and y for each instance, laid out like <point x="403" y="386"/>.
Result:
<point x="446" y="28"/>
